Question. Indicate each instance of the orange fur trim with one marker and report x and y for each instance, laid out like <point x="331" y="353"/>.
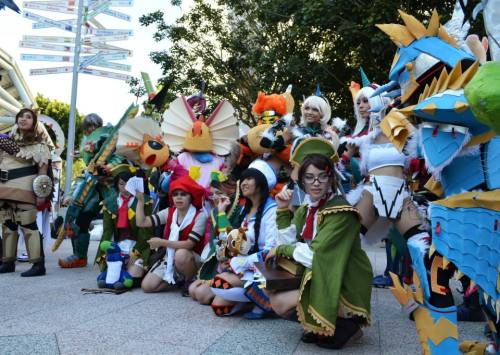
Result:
<point x="273" y="102"/>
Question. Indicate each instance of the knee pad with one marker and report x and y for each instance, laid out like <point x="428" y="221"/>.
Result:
<point x="25" y="218"/>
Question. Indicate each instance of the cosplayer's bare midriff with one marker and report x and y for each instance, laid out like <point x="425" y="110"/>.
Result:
<point x="385" y="194"/>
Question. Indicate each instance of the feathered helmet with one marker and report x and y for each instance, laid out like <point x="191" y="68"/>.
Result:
<point x="140" y="140"/>
<point x="184" y="130"/>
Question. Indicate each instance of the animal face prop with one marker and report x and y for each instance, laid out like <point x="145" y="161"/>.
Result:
<point x="140" y="140"/>
<point x="237" y="243"/>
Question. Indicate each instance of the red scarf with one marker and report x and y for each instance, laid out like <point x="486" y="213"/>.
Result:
<point x="307" y="233"/>
<point x="123" y="213"/>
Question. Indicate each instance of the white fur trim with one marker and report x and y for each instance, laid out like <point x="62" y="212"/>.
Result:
<point x="436" y="171"/>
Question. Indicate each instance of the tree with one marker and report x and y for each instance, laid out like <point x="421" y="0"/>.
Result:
<point x="59" y="111"/>
<point x="242" y="46"/>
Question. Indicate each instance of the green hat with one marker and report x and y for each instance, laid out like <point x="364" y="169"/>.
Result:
<point x="121" y="168"/>
<point x="315" y="145"/>
<point x="216" y="178"/>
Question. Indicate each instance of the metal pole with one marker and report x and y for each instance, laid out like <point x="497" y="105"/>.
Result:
<point x="74" y="89"/>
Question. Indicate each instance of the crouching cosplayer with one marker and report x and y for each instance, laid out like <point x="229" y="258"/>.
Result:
<point x="24" y="186"/>
<point x="183" y="237"/>
<point x="333" y="301"/>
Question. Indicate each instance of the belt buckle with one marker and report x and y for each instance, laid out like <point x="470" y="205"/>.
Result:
<point x="4" y="176"/>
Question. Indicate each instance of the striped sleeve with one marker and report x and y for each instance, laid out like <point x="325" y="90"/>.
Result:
<point x="159" y="218"/>
<point x="198" y="231"/>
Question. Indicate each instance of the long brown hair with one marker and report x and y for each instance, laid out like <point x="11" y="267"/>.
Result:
<point x="32" y="134"/>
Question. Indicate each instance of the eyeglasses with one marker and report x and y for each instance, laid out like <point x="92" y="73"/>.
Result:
<point x="311" y="179"/>
<point x="179" y="194"/>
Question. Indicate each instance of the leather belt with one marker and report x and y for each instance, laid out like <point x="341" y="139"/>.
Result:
<point x="6" y="175"/>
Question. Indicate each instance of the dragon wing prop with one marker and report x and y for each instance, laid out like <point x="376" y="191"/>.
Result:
<point x="177" y="121"/>
<point x="223" y="127"/>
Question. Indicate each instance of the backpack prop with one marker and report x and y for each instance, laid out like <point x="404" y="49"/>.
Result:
<point x="115" y="276"/>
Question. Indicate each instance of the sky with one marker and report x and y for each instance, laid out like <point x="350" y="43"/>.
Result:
<point x="107" y="97"/>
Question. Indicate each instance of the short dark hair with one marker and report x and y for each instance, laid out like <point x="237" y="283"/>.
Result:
<point x="124" y="176"/>
<point x="319" y="161"/>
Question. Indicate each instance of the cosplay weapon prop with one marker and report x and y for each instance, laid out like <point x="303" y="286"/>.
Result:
<point x="85" y="192"/>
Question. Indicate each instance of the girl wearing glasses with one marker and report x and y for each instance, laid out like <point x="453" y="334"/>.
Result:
<point x="333" y="301"/>
<point x="185" y="224"/>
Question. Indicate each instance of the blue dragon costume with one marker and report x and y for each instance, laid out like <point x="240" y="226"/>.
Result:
<point x="432" y="75"/>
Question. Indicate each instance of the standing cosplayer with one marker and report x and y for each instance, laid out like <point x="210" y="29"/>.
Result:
<point x="98" y="152"/>
<point x="24" y="185"/>
<point x="430" y="72"/>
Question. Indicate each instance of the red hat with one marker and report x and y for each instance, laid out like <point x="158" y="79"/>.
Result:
<point x="188" y="185"/>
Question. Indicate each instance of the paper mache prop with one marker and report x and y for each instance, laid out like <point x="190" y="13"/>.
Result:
<point x="202" y="141"/>
<point x="115" y="276"/>
<point x="275" y="114"/>
<point x="429" y="73"/>
<point x="184" y="131"/>
<point x="140" y="140"/>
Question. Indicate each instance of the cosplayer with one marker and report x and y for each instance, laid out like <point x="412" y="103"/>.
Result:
<point x="98" y="153"/>
<point x="253" y="234"/>
<point x="25" y="185"/>
<point x="201" y="142"/>
<point x="119" y="225"/>
<point x="183" y="237"/>
<point x="224" y="194"/>
<point x="429" y="73"/>
<point x="323" y="235"/>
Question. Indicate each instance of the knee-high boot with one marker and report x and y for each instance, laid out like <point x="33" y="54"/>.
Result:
<point x="9" y="246"/>
<point x="34" y="246"/>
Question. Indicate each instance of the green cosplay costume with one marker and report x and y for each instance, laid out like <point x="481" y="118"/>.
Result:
<point x="141" y="249"/>
<point x="89" y="189"/>
<point x="337" y="279"/>
<point x="340" y="269"/>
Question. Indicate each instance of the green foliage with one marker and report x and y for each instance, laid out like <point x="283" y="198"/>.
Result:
<point x="242" y="46"/>
<point x="137" y="88"/>
<point x="59" y="111"/>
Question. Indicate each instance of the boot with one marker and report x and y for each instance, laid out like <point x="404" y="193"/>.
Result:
<point x="38" y="269"/>
<point x="347" y="330"/>
<point x="72" y="261"/>
<point x="7" y="266"/>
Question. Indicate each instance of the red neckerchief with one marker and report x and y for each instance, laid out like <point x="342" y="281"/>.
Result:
<point x="123" y="212"/>
<point x="307" y="233"/>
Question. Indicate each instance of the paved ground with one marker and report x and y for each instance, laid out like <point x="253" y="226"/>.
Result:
<point x="50" y="315"/>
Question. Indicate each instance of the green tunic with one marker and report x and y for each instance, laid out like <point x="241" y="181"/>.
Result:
<point x="110" y="219"/>
<point x="339" y="282"/>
